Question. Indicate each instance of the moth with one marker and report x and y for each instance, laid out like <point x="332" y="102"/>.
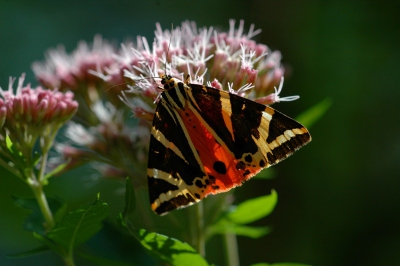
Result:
<point x="206" y="141"/>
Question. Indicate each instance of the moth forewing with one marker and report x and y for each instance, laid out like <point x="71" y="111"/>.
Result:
<point x="209" y="141"/>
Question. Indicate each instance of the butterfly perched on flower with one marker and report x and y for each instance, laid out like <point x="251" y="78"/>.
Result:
<point x="207" y="141"/>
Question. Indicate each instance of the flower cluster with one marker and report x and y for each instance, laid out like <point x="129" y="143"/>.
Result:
<point x="100" y="132"/>
<point x="70" y="71"/>
<point x="224" y="60"/>
<point x="227" y="60"/>
<point x="31" y="113"/>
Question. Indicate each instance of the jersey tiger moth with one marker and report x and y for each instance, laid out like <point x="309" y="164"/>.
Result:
<point x="207" y="141"/>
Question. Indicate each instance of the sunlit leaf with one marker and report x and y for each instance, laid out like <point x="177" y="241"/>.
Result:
<point x="242" y="230"/>
<point x="314" y="113"/>
<point x="169" y="249"/>
<point x="279" y="264"/>
<point x="12" y="148"/>
<point x="165" y="248"/>
<point x="254" y="209"/>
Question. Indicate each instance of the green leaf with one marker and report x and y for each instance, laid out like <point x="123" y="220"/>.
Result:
<point x="35" y="221"/>
<point x="79" y="225"/>
<point x="254" y="209"/>
<point x="36" y="158"/>
<point x="279" y="264"/>
<point x="166" y="248"/>
<point x="56" y="170"/>
<point x="60" y="213"/>
<point x="29" y="253"/>
<point x="100" y="261"/>
<point x="250" y="231"/>
<point x="169" y="249"/>
<point x="242" y="230"/>
<point x="268" y="173"/>
<point x="313" y="114"/>
<point x="12" y="148"/>
<point x="50" y="244"/>
<point x="130" y="200"/>
<point x="10" y="145"/>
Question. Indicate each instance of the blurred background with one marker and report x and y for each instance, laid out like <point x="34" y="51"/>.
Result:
<point x="338" y="197"/>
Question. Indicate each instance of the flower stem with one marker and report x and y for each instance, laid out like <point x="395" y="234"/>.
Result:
<point x="69" y="261"/>
<point x="37" y="189"/>
<point x="231" y="249"/>
<point x="200" y="244"/>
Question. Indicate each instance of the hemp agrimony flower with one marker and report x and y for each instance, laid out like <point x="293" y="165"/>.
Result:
<point x="32" y="114"/>
<point x="231" y="60"/>
<point x="225" y="60"/>
<point x="28" y="116"/>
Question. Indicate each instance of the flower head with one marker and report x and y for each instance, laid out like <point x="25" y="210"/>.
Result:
<point x="67" y="71"/>
<point x="231" y="60"/>
<point x="275" y="98"/>
<point x="31" y="113"/>
<point x="74" y="72"/>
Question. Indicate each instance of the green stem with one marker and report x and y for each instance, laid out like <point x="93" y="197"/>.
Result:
<point x="231" y="249"/>
<point x="36" y="184"/>
<point x="200" y="244"/>
<point x="69" y="261"/>
<point x="42" y="167"/>
<point x="45" y="147"/>
<point x="37" y="189"/>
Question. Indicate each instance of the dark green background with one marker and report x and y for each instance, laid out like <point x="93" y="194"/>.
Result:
<point x="339" y="196"/>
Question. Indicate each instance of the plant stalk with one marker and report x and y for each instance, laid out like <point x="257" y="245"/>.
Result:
<point x="69" y="261"/>
<point x="231" y="249"/>
<point x="200" y="239"/>
<point x="37" y="189"/>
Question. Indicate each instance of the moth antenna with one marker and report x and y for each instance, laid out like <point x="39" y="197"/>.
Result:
<point x="125" y="83"/>
<point x="187" y="80"/>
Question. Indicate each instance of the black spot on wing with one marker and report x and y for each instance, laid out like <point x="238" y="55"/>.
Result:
<point x="240" y="165"/>
<point x="199" y="184"/>
<point x="247" y="172"/>
<point x="220" y="167"/>
<point x="248" y="158"/>
<point x="212" y="179"/>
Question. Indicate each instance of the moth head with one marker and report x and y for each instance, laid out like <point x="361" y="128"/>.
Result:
<point x="168" y="82"/>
